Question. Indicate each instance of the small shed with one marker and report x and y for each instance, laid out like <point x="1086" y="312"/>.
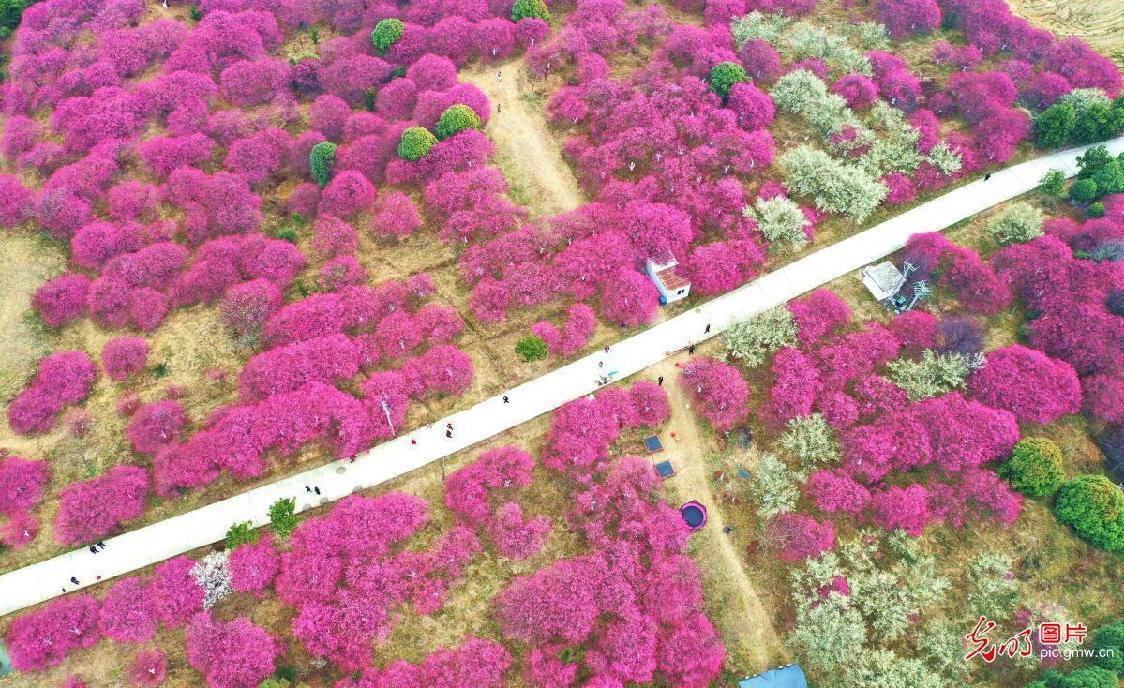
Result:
<point x="663" y="271"/>
<point x="791" y="676"/>
<point x="883" y="280"/>
<point x="652" y="444"/>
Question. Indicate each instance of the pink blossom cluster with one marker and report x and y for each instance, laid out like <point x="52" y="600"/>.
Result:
<point x="574" y="334"/>
<point x="61" y="379"/>
<point x="581" y="431"/>
<point x="1069" y="298"/>
<point x="496" y="478"/>
<point x="719" y="391"/>
<point x="22" y="483"/>
<point x="973" y="281"/>
<point x="630" y="607"/>
<point x="91" y="509"/>
<point x="347" y="572"/>
<point x="42" y="639"/>
<point x="254" y="566"/>
<point x="230" y="654"/>
<point x="475" y="662"/>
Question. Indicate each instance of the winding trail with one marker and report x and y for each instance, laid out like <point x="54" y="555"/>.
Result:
<point x="529" y="154"/>
<point x="207" y="525"/>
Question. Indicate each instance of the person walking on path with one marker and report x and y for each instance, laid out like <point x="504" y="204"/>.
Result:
<point x="691" y="349"/>
<point x="307" y="489"/>
<point x="316" y="489"/>
<point x="707" y="330"/>
<point x="506" y="400"/>
<point x="987" y="176"/>
<point x="659" y="381"/>
<point x="101" y="544"/>
<point x="74" y="580"/>
<point x="93" y="550"/>
<point x="449" y="434"/>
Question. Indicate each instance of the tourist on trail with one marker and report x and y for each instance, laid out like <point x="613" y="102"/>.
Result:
<point x="506" y="400"/>
<point x="660" y="381"/>
<point x="449" y="434"/>
<point x="316" y="490"/>
<point x="93" y="550"/>
<point x="707" y="330"/>
<point x="74" y="580"/>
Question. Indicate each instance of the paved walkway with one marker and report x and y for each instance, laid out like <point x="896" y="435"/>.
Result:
<point x="140" y="548"/>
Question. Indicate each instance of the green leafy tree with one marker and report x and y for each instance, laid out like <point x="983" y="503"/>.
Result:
<point x="387" y="32"/>
<point x="530" y="9"/>
<point x="1092" y="160"/>
<point x="283" y="517"/>
<point x="1095" y="210"/>
<point x="780" y="219"/>
<point x="1094" y="507"/>
<point x="1083" y="191"/>
<point x="836" y="186"/>
<point x="827" y="633"/>
<point x="1053" y="127"/>
<point x="275" y="683"/>
<point x="884" y="668"/>
<point x="942" y="645"/>
<point x="1089" y="677"/>
<point x="531" y="348"/>
<point x="456" y="118"/>
<point x="933" y="375"/>
<point x="775" y="487"/>
<point x="1052" y="183"/>
<point x="1098" y="122"/>
<point x="1035" y="467"/>
<point x="241" y="534"/>
<point x="11" y="11"/>
<point x="1109" y="178"/>
<point x="754" y="338"/>
<point x="1018" y="223"/>
<point x="812" y="440"/>
<point x="321" y="160"/>
<point x="415" y="143"/>
<point x="724" y="75"/>
<point x="1109" y="643"/>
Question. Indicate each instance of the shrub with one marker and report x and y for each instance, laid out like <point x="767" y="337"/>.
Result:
<point x="531" y="348"/>
<point x="387" y="32"/>
<point x="241" y="534"/>
<point x="235" y="653"/>
<point x="529" y="9"/>
<point x="124" y="357"/>
<point x="724" y="75"/>
<point x="282" y="516"/>
<point x="1083" y="191"/>
<point x="1052" y="183"/>
<point x="1109" y="640"/>
<point x="415" y="143"/>
<point x="43" y="638"/>
<point x="1018" y="223"/>
<point x="1094" y="507"/>
<point x="127" y="614"/>
<point x="61" y="379"/>
<point x="253" y="566"/>
<point x="321" y="160"/>
<point x="456" y="118"/>
<point x="148" y="668"/>
<point x="934" y="374"/>
<point x="1035" y="467"/>
<point x="780" y="219"/>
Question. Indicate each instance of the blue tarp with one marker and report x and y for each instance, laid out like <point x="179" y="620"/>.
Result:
<point x="664" y="469"/>
<point x="653" y="444"/>
<point x="791" y="676"/>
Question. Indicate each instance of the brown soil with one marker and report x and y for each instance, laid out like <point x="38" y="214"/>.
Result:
<point x="528" y="153"/>
<point x="752" y="642"/>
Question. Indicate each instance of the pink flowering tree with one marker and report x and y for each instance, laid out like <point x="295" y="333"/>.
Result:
<point x="61" y="379"/>
<point x="718" y="390"/>
<point x="42" y="639"/>
<point x="798" y="537"/>
<point x="234" y="654"/>
<point x="253" y="566"/>
<point x="127" y="614"/>
<point x="91" y="509"/>
<point x="124" y="357"/>
<point x="149" y="668"/>
<point x="1028" y="383"/>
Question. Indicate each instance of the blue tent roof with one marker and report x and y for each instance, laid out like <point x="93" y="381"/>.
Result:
<point x="791" y="676"/>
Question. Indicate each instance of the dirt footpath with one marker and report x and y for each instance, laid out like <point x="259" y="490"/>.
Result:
<point x="752" y="644"/>
<point x="527" y="150"/>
